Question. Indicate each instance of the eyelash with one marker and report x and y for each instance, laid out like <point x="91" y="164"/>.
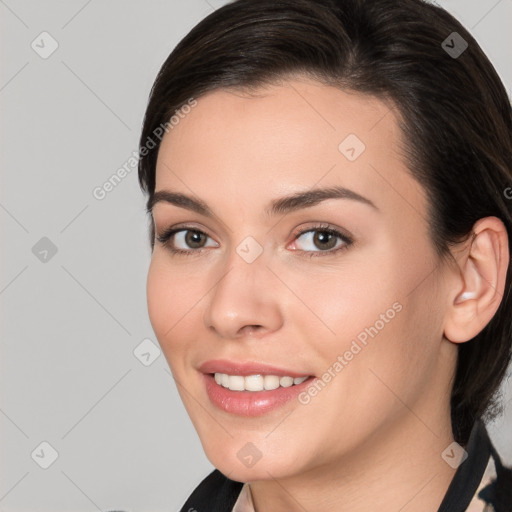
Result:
<point x="165" y="237"/>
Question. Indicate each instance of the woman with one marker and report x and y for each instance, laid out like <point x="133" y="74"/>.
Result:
<point x="330" y="275"/>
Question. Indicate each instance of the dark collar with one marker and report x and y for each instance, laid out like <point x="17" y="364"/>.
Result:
<point x="469" y="474"/>
<point x="216" y="493"/>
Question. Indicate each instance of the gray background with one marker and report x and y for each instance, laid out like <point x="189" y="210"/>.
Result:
<point x="70" y="323"/>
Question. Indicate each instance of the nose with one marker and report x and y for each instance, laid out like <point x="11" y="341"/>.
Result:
<point x="244" y="300"/>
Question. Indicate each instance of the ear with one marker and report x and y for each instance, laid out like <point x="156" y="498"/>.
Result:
<point x="483" y="271"/>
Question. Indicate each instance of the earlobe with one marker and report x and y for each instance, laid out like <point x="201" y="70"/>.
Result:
<point x="483" y="270"/>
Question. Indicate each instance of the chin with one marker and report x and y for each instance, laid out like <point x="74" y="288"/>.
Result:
<point x="239" y="466"/>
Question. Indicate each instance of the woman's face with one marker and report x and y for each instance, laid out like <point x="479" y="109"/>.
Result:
<point x="359" y="312"/>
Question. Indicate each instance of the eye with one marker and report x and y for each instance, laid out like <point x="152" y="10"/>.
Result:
<point x="317" y="240"/>
<point x="321" y="239"/>
<point x="184" y="240"/>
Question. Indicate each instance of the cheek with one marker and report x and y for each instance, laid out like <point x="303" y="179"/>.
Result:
<point x="352" y="295"/>
<point x="344" y="305"/>
<point x="369" y="317"/>
<point x="157" y="291"/>
<point x="171" y="298"/>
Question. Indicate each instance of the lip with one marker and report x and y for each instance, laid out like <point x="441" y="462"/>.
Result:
<point x="249" y="403"/>
<point x="246" y="368"/>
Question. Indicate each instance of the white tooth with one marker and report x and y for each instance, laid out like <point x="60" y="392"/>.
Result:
<point x="254" y="383"/>
<point x="236" y="382"/>
<point x="286" y="382"/>
<point x="271" y="382"/>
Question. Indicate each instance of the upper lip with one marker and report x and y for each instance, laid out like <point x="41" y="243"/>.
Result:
<point x="246" y="368"/>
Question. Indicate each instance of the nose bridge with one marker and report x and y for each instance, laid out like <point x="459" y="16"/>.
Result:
<point x="243" y="295"/>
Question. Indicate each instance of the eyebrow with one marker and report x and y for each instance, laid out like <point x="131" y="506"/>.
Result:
<point x="281" y="205"/>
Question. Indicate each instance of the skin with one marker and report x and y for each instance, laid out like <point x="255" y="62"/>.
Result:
<point x="376" y="432"/>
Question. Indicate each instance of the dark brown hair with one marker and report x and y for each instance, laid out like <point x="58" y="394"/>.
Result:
<point x="453" y="110"/>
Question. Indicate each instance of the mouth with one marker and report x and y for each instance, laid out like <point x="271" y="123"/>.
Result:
<point x="247" y="389"/>
<point x="244" y="402"/>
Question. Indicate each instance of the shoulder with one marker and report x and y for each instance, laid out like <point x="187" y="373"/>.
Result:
<point x="216" y="493"/>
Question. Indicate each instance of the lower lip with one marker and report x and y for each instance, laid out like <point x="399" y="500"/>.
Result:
<point x="251" y="403"/>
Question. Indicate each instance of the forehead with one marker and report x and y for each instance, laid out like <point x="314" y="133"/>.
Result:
<point x="285" y="138"/>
